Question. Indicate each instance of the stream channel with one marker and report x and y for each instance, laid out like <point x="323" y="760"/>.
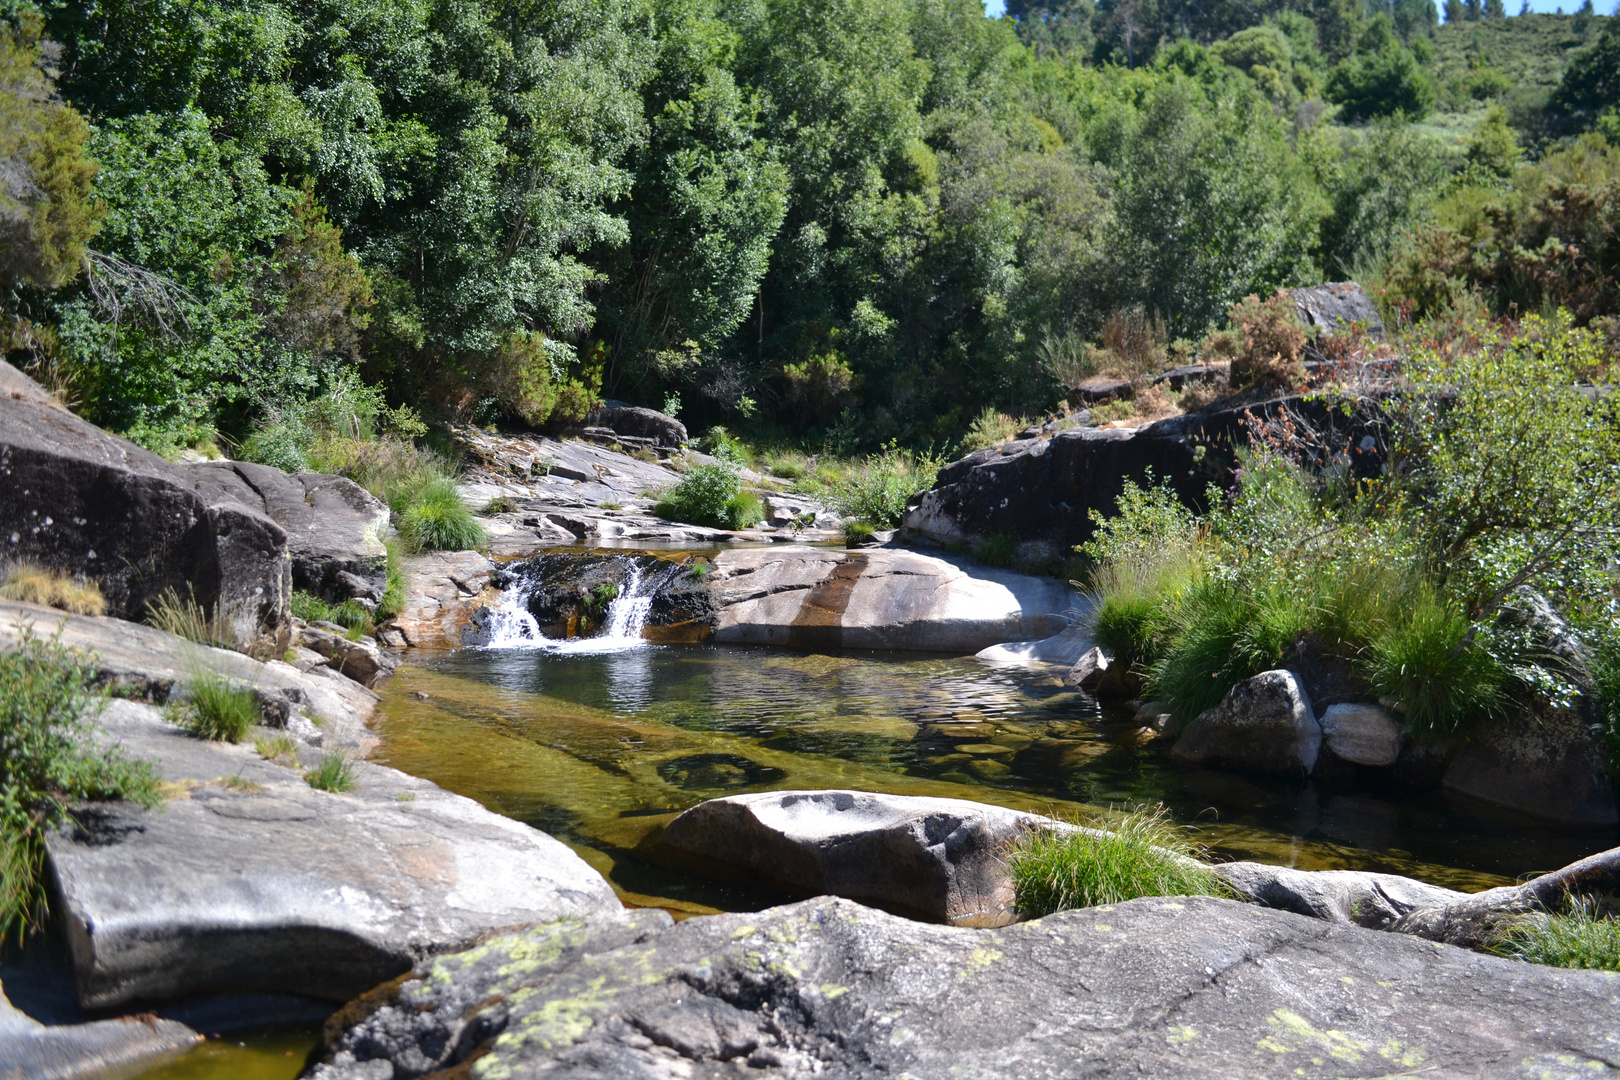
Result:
<point x="600" y="741"/>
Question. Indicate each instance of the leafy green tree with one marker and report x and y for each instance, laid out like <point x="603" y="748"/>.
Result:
<point x="1061" y="27"/>
<point x="1386" y="182"/>
<point x="1591" y="83"/>
<point x="1382" y="79"/>
<point x="47" y="215"/>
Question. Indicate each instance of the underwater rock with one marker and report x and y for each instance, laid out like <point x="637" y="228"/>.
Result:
<point x="1191" y="987"/>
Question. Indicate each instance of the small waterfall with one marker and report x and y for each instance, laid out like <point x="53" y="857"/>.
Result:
<point x="512" y="626"/>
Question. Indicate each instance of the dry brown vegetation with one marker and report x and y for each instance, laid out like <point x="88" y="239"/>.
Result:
<point x="33" y="584"/>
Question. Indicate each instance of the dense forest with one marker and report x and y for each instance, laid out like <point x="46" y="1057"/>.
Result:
<point x="832" y="222"/>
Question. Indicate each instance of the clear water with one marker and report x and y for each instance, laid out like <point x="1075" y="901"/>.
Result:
<point x="601" y="749"/>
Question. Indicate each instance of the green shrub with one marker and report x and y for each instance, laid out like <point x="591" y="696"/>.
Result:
<point x="720" y="443"/>
<point x="857" y="531"/>
<point x="216" y="710"/>
<point x="349" y="614"/>
<point x="1431" y="662"/>
<point x="335" y="773"/>
<point x="991" y="428"/>
<point x="393" y="600"/>
<point x="703" y="497"/>
<point x="435" y="519"/>
<point x="877" y="488"/>
<point x="744" y="510"/>
<point x="1579" y="939"/>
<point x="46" y="762"/>
<point x="1144" y="855"/>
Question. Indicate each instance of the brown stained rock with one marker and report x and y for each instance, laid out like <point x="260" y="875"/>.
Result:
<point x="442" y="590"/>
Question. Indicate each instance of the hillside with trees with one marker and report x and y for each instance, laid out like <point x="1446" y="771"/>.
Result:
<point x="829" y="223"/>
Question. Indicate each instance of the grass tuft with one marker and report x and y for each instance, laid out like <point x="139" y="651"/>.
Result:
<point x="216" y="710"/>
<point x="32" y="584"/>
<point x="1580" y="939"/>
<point x="349" y="614"/>
<point x="335" y="773"/>
<point x="186" y="618"/>
<point x="276" y="747"/>
<point x="435" y="519"/>
<point x="1144" y="855"/>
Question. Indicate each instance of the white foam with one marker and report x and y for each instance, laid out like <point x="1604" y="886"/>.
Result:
<point x="513" y="627"/>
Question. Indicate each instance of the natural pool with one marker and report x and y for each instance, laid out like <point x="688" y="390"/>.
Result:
<point x="601" y="744"/>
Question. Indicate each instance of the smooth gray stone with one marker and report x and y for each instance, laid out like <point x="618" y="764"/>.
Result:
<point x="249" y="879"/>
<point x="940" y="859"/>
<point x="1375" y="901"/>
<point x="1191" y="987"/>
<point x="335" y="527"/>
<point x="883" y="598"/>
<point x="1333" y="306"/>
<point x="80" y="501"/>
<point x="1264" y="724"/>
<point x="1363" y="734"/>
<point x="103" y="1050"/>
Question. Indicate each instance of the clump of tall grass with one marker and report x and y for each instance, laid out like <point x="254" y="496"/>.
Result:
<point x="1145" y="854"/>
<point x="335" y="773"/>
<point x="711" y="495"/>
<point x="349" y="614"/>
<point x="435" y="519"/>
<point x="216" y="709"/>
<point x="47" y="761"/>
<point x="1431" y="660"/>
<point x="276" y="747"/>
<point x="991" y="428"/>
<point x="1580" y="938"/>
<point x="184" y="617"/>
<point x="874" y="489"/>
<point x="32" y="584"/>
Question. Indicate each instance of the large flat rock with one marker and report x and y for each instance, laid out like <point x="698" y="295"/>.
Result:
<point x="249" y="879"/>
<point x="882" y="598"/>
<point x="150" y="664"/>
<point x="938" y="859"/>
<point x="81" y="501"/>
<point x="1193" y="987"/>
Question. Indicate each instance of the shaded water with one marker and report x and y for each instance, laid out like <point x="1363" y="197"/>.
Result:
<point x="601" y="749"/>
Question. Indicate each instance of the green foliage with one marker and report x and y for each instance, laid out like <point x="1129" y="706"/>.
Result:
<point x="991" y="428"/>
<point x="1428" y="660"/>
<point x="877" y="489"/>
<point x="857" y="531"/>
<point x="335" y="773"/>
<point x="349" y="614"/>
<point x="393" y="601"/>
<point x="710" y="495"/>
<point x="1579" y="939"/>
<point x="997" y="550"/>
<point x="47" y="215"/>
<point x="1591" y="84"/>
<point x="216" y="710"/>
<point x="1144" y="854"/>
<point x="1384" y="79"/>
<point x="435" y="519"/>
<point x="47" y="760"/>
<point x="186" y="618"/>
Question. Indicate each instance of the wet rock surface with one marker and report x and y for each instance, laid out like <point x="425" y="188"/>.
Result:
<point x="1264" y="724"/>
<point x="1191" y="987"/>
<point x="937" y="859"/>
<point x="248" y="878"/>
<point x="106" y="1049"/>
<point x="443" y="590"/>
<point x="80" y="501"/>
<point x="335" y="527"/>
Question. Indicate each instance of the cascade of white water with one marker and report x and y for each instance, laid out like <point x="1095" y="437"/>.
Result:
<point x="512" y="626"/>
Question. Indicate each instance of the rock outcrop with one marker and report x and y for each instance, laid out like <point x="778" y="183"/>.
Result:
<point x="1333" y="307"/>
<point x="886" y="598"/>
<point x="80" y="501"/>
<point x="639" y="423"/>
<point x="335" y="527"/>
<point x="1362" y="734"/>
<point x="1552" y="767"/>
<point x="103" y="1050"/>
<point x="250" y="879"/>
<point x="443" y="591"/>
<point x="1193" y="987"/>
<point x="1264" y="724"/>
<point x="937" y="859"/>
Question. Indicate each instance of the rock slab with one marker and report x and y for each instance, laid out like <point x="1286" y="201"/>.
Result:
<point x="886" y="598"/>
<point x="1193" y="987"/>
<point x="80" y="501"/>
<point x="1264" y="724"/>
<point x="103" y="1050"/>
<point x="250" y="879"/>
<point x="443" y="589"/>
<point x="940" y="859"/>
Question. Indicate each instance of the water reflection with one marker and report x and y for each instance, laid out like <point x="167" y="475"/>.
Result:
<point x="595" y="747"/>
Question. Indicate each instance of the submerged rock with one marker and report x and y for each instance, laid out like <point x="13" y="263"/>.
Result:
<point x="250" y="879"/>
<point x="1552" y="766"/>
<point x="1193" y="987"/>
<point x="102" y="1050"/>
<point x="1264" y="724"/>
<point x="80" y="501"/>
<point x="939" y="859"/>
